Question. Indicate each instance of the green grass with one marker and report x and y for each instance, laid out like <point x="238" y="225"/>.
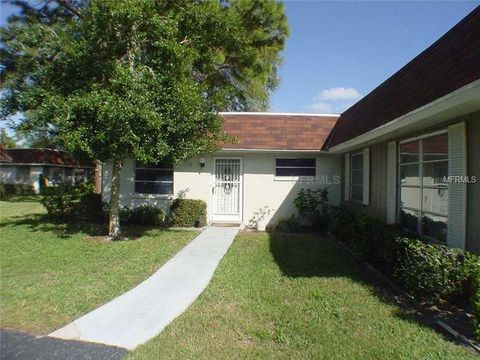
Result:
<point x="52" y="273"/>
<point x="294" y="297"/>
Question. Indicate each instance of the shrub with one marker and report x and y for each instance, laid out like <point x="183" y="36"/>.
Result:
<point x="287" y="225"/>
<point x="2" y="191"/>
<point x="430" y="271"/>
<point x="312" y="207"/>
<point x="18" y="189"/>
<point x="188" y="212"/>
<point x="75" y="203"/>
<point x="143" y="215"/>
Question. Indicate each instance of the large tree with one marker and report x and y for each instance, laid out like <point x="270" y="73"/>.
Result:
<point x="141" y="79"/>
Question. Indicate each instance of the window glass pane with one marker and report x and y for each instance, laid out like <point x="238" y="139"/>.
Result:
<point x="357" y="177"/>
<point x="435" y="200"/>
<point x="409" y="152"/>
<point x="409" y="219"/>
<point x="409" y="175"/>
<point x="435" y="227"/>
<point x="435" y="173"/>
<point x="23" y="174"/>
<point x="295" y="171"/>
<point x="153" y="188"/>
<point x="154" y="175"/>
<point x="410" y="197"/>
<point x="357" y="193"/>
<point x="435" y="148"/>
<point x="357" y="162"/>
<point x="296" y="162"/>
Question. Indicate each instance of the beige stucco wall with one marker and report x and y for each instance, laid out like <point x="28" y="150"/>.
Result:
<point x="260" y="187"/>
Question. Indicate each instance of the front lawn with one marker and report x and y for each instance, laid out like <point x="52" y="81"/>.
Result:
<point x="52" y="273"/>
<point x="294" y="297"/>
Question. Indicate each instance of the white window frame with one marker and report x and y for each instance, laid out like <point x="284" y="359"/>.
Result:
<point x="135" y="168"/>
<point x="420" y="164"/>
<point x="351" y="185"/>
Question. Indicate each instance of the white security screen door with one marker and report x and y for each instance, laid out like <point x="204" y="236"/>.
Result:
<point x="227" y="190"/>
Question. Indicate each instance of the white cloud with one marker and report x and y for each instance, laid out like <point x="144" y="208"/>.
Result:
<point x="334" y="100"/>
<point x="338" y="93"/>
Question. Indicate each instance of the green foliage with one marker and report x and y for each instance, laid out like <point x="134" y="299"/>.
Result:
<point x="188" y="213"/>
<point x="16" y="189"/>
<point x="431" y="272"/>
<point x="142" y="215"/>
<point x="73" y="204"/>
<point x="287" y="225"/>
<point x="6" y="140"/>
<point x="312" y="207"/>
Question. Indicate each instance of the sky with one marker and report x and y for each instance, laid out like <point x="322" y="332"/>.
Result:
<point x="338" y="52"/>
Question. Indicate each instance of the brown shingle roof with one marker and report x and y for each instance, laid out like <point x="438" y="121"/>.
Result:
<point x="278" y="131"/>
<point x="451" y="62"/>
<point x="45" y="157"/>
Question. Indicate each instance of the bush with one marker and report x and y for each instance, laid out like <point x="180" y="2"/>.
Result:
<point x="142" y="215"/>
<point x="188" y="212"/>
<point x="427" y="271"/>
<point x="431" y="271"/>
<point x="75" y="203"/>
<point x="312" y="207"/>
<point x="2" y="191"/>
<point x="16" y="189"/>
<point x="287" y="225"/>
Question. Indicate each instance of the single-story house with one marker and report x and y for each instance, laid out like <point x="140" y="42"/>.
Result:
<point x="27" y="166"/>
<point x="406" y="153"/>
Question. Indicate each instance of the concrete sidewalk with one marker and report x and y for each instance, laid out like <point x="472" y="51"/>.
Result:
<point x="144" y="311"/>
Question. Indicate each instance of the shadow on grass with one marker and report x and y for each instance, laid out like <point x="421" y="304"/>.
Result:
<point x="21" y="198"/>
<point x="64" y="230"/>
<point x="315" y="255"/>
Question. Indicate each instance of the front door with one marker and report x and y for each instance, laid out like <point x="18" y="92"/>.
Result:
<point x="227" y="190"/>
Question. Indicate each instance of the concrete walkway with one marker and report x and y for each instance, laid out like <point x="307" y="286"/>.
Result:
<point x="143" y="312"/>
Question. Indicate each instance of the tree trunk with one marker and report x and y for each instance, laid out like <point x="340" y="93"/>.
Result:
<point x="114" y="216"/>
<point x="96" y="177"/>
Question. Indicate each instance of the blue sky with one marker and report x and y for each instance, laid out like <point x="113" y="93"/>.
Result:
<point x="338" y="52"/>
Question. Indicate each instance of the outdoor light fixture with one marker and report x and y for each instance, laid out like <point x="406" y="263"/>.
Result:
<point x="202" y="162"/>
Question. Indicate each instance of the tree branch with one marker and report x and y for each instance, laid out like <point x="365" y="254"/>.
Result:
<point x="69" y="7"/>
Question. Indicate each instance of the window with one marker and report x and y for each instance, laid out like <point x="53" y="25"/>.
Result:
<point x="295" y="167"/>
<point x="423" y="194"/>
<point x="154" y="178"/>
<point x="23" y="174"/>
<point x="356" y="177"/>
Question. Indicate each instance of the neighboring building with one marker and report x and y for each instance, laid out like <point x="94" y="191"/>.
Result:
<point x="26" y="166"/>
<point x="394" y="150"/>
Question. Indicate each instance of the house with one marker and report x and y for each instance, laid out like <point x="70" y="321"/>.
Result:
<point x="26" y="166"/>
<point x="406" y="153"/>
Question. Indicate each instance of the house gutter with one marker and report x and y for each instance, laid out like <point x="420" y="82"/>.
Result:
<point x="468" y="95"/>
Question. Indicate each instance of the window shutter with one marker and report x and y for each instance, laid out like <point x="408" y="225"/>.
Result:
<point x="366" y="176"/>
<point x="391" y="182"/>
<point x="347" y="177"/>
<point x="457" y="192"/>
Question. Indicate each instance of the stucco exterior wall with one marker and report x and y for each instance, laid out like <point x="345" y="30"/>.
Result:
<point x="260" y="186"/>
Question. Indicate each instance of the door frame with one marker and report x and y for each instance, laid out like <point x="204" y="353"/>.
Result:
<point x="218" y="218"/>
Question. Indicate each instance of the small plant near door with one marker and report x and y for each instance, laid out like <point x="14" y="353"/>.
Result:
<point x="259" y="219"/>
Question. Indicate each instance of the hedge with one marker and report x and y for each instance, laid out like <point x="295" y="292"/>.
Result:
<point x="142" y="215"/>
<point x="16" y="189"/>
<point x="430" y="272"/>
<point x="188" y="213"/>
